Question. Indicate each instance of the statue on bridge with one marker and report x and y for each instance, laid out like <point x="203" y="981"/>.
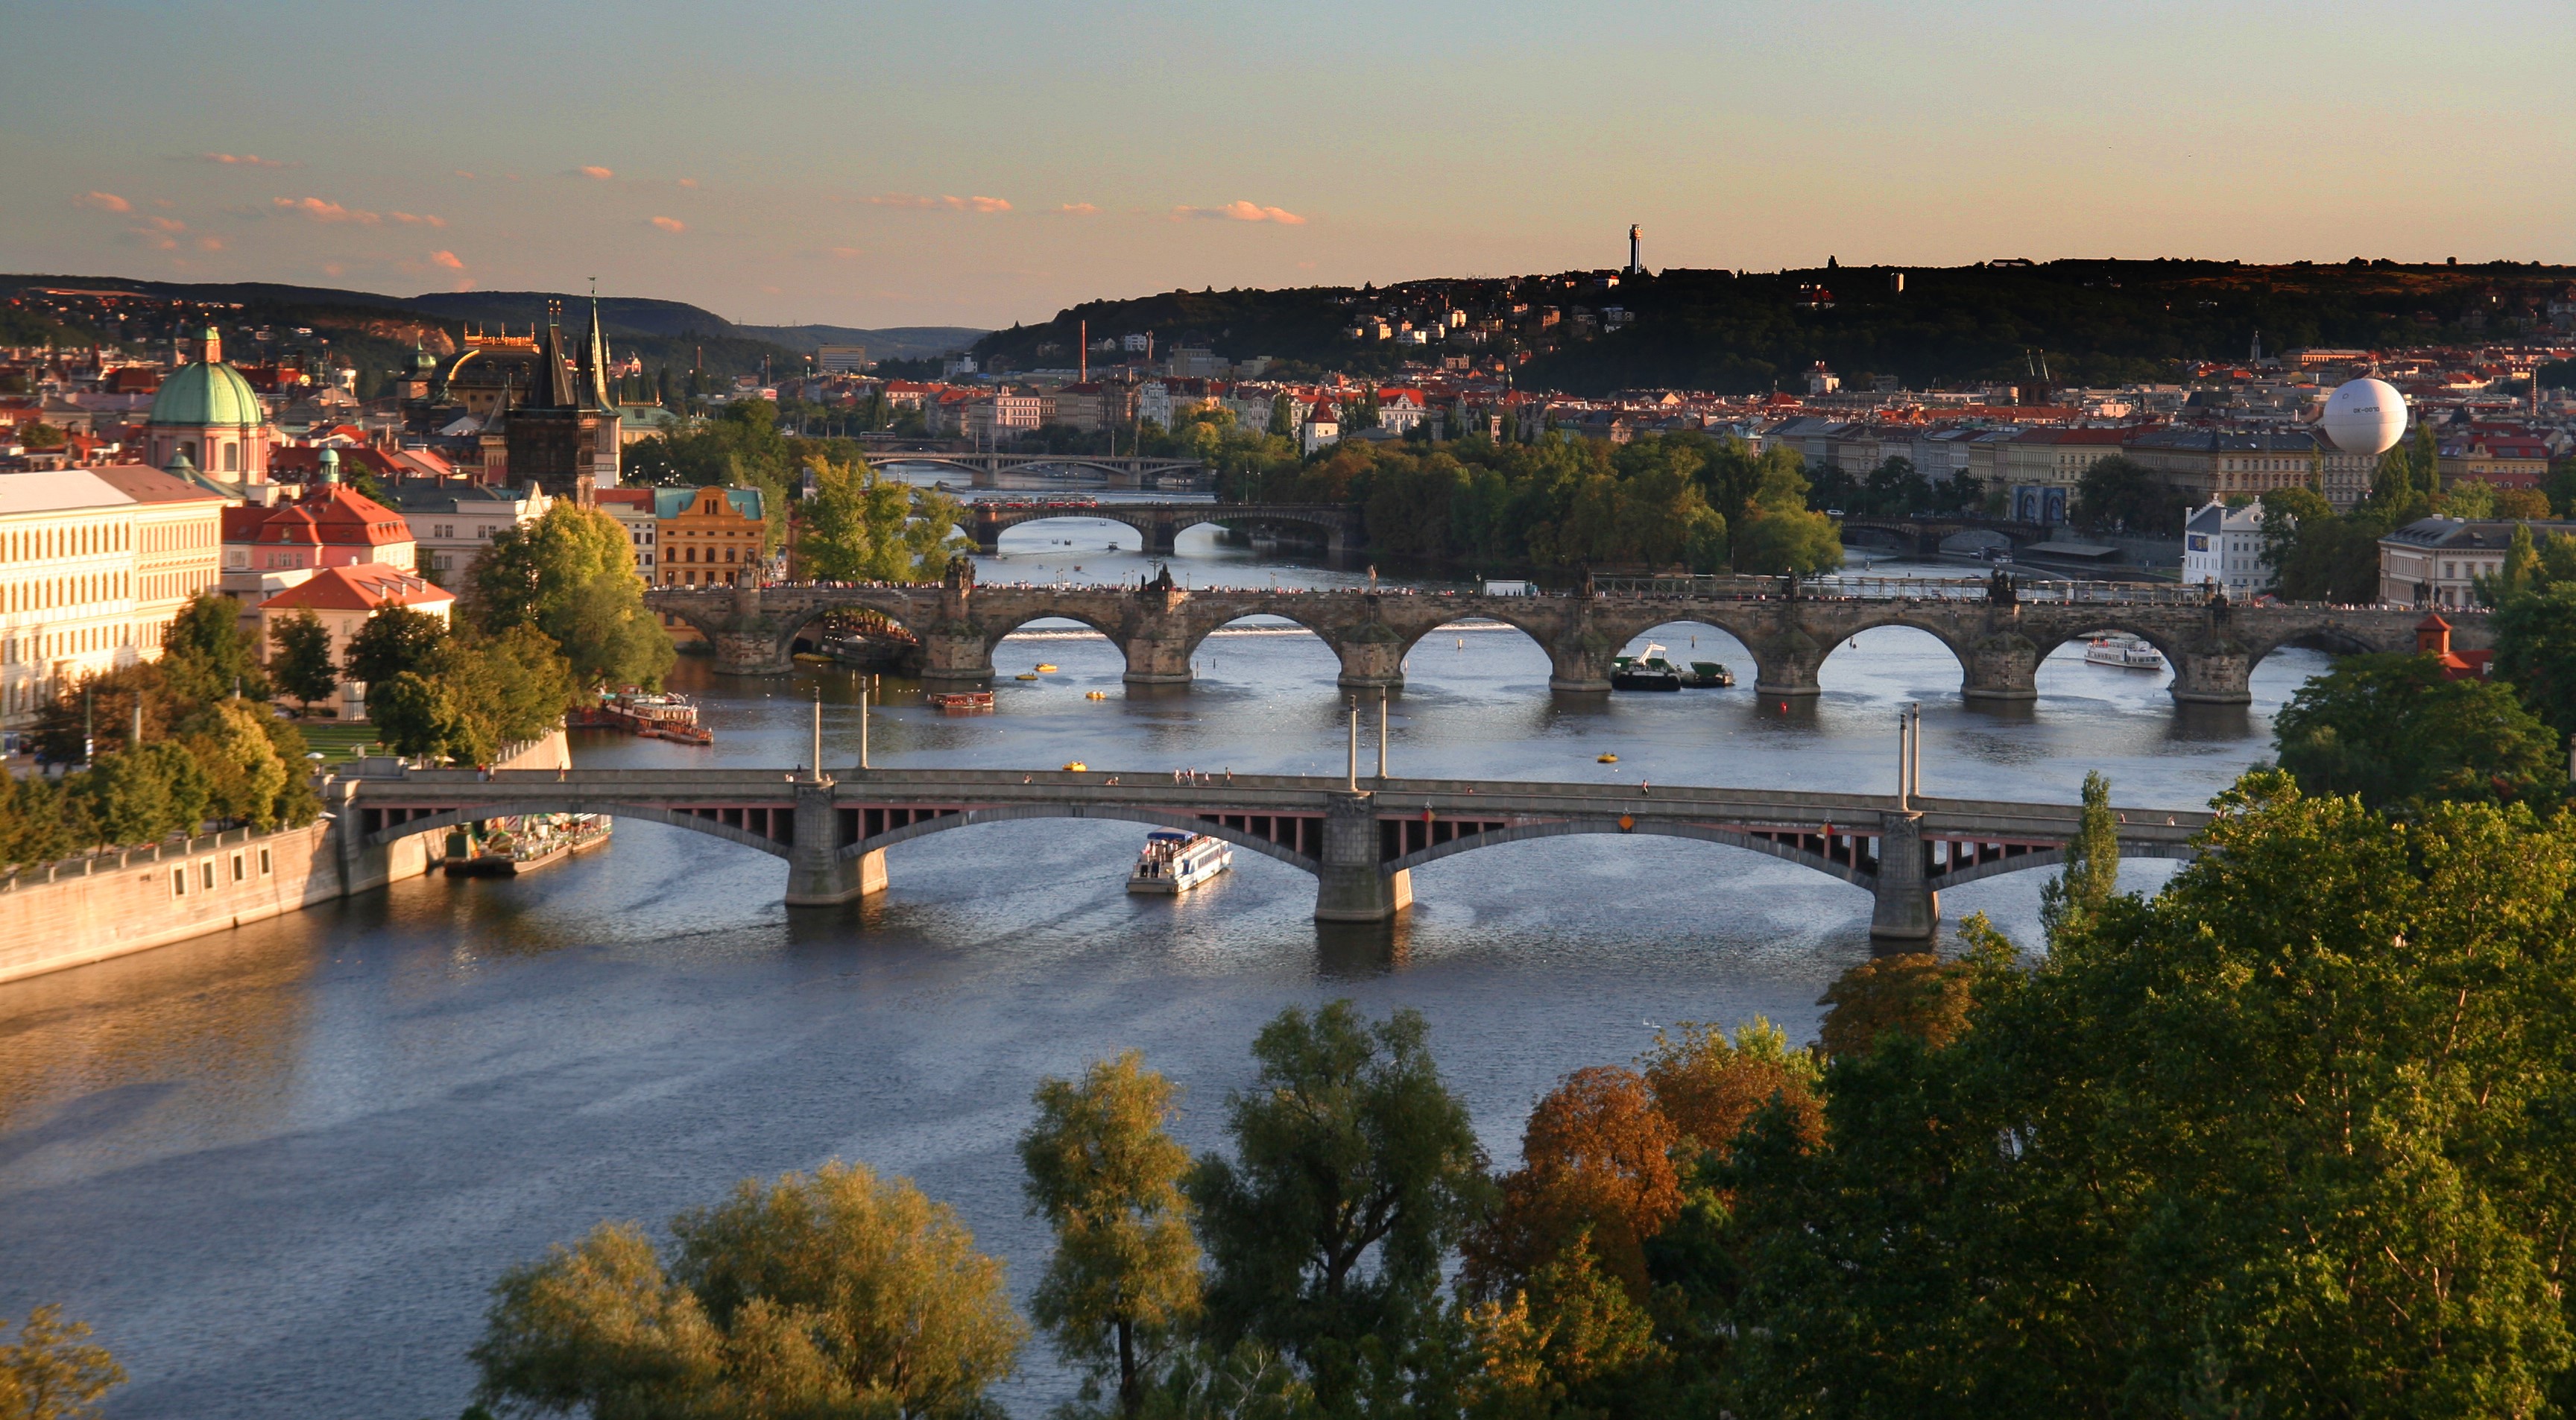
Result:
<point x="2000" y="590"/>
<point x="960" y="574"/>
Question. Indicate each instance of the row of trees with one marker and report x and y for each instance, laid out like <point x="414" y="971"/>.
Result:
<point x="1663" y="500"/>
<point x="163" y="748"/>
<point x="2287" y="1139"/>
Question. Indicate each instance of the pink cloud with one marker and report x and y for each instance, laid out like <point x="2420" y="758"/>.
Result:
<point x="408" y="219"/>
<point x="460" y="172"/>
<point x="322" y="211"/>
<point x="103" y="201"/>
<point x="688" y="182"/>
<point x="950" y="203"/>
<point x="1243" y="212"/>
<point x="1078" y="209"/>
<point x="333" y="268"/>
<point x="847" y="253"/>
<point x="240" y="160"/>
<point x="670" y="224"/>
<point x="210" y="244"/>
<point x="463" y="283"/>
<point x="169" y="224"/>
<point x="446" y="259"/>
<point x="596" y="171"/>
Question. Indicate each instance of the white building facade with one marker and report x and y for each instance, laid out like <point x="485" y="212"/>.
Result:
<point x="2224" y="546"/>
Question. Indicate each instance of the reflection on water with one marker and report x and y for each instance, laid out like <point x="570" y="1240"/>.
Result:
<point x="278" y="1168"/>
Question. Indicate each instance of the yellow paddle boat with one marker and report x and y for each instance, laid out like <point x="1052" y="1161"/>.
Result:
<point x="1609" y="759"/>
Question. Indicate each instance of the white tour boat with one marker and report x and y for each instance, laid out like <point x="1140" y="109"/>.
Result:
<point x="1175" y="862"/>
<point x="2126" y="652"/>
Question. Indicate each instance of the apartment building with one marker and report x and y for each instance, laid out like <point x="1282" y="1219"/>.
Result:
<point x="76" y="547"/>
<point x="2437" y="561"/>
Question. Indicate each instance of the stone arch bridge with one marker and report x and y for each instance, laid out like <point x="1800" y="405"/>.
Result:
<point x="1360" y="837"/>
<point x="2213" y="647"/>
<point x="1334" y="525"/>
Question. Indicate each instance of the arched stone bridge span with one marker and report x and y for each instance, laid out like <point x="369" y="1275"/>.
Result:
<point x="2213" y="647"/>
<point x="981" y="467"/>
<point x="1361" y="839"/>
<point x="1334" y="525"/>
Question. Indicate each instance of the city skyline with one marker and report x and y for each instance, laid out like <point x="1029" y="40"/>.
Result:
<point x="987" y="164"/>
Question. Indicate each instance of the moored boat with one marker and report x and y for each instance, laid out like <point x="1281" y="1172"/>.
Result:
<point x="1647" y="672"/>
<point x="1709" y="674"/>
<point x="1175" y="862"/>
<point x="960" y="702"/>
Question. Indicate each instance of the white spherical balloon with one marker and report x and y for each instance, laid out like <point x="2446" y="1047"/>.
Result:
<point x="2365" y="417"/>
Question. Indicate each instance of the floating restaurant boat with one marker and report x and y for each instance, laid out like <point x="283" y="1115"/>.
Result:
<point x="1174" y="862"/>
<point x="959" y="702"/>
<point x="2126" y="652"/>
<point x="1647" y="672"/>
<point x="523" y="844"/>
<point x="656" y="717"/>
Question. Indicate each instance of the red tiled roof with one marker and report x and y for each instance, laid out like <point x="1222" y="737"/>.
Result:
<point x="331" y="515"/>
<point x="363" y="588"/>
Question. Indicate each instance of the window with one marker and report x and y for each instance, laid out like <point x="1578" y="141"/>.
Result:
<point x="263" y="863"/>
<point x="207" y="871"/>
<point x="241" y="869"/>
<point x="178" y="882"/>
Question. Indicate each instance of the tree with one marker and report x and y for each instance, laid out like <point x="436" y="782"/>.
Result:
<point x="302" y="665"/>
<point x="1355" y="1172"/>
<point x="2120" y="493"/>
<point x="571" y="574"/>
<point x="1557" y="1345"/>
<point x="2092" y="871"/>
<point x="863" y="525"/>
<point x="143" y="794"/>
<point x="416" y="717"/>
<point x="394" y="640"/>
<point x="1597" y="1166"/>
<point x="1779" y="534"/>
<point x="39" y="822"/>
<point x="1710" y="1087"/>
<point x="2392" y="730"/>
<point x="206" y="656"/>
<point x="245" y="775"/>
<point x="2535" y="629"/>
<point x="1913" y="994"/>
<point x="48" y="1373"/>
<point x="1106" y="1176"/>
<point x="472" y="695"/>
<point x="831" y="1295"/>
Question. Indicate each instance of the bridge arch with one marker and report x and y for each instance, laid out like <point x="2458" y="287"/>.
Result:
<point x="1740" y="660"/>
<point x="795" y="623"/>
<point x="1144" y="534"/>
<point x="649" y="813"/>
<point x="1561" y="828"/>
<point x="1320" y="630"/>
<point x="1151" y="818"/>
<point x="1397" y="655"/>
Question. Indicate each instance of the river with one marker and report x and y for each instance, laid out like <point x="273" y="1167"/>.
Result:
<point x="277" y="1169"/>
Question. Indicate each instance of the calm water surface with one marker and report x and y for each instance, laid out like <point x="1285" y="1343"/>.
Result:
<point x="278" y="1168"/>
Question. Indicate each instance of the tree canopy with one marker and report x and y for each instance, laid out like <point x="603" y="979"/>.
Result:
<point x="571" y="574"/>
<point x="863" y="525"/>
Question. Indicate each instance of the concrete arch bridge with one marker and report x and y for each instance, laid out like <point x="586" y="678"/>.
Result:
<point x="1999" y="641"/>
<point x="1361" y="838"/>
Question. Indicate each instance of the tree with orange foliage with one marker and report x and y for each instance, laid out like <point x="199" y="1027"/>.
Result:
<point x="1710" y="1087"/>
<point x="1915" y="993"/>
<point x="1596" y="1159"/>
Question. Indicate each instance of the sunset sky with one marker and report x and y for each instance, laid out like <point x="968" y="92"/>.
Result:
<point x="979" y="163"/>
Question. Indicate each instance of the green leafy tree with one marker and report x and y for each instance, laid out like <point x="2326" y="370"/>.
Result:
<point x="831" y="1295"/>
<point x="2535" y="649"/>
<point x="1106" y="1176"/>
<point x="2092" y="872"/>
<point x="1355" y="1172"/>
<point x="301" y="663"/>
<point x="863" y="525"/>
<point x="394" y="640"/>
<point x="571" y="574"/>
<point x="39" y="822"/>
<point x="205" y="654"/>
<point x="2119" y="493"/>
<point x="143" y="794"/>
<point x="416" y="716"/>
<point x="245" y="776"/>
<point x="2392" y="730"/>
<point x="1779" y="534"/>
<point x="51" y="1372"/>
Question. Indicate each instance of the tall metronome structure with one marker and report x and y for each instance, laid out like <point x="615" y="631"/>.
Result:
<point x="1636" y="251"/>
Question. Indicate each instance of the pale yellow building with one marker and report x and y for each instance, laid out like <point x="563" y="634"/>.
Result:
<point x="73" y="557"/>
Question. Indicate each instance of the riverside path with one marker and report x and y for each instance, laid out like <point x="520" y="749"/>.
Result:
<point x="1361" y="837"/>
<point x="1999" y="631"/>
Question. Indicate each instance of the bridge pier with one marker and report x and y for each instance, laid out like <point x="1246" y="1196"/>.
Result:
<point x="1784" y="666"/>
<point x="956" y="659"/>
<point x="1907" y="910"/>
<point x="1372" y="656"/>
<point x="1158" y="656"/>
<point x="1579" y="662"/>
<point x="817" y="874"/>
<point x="2001" y="667"/>
<point x="2220" y="673"/>
<point x="1352" y="885"/>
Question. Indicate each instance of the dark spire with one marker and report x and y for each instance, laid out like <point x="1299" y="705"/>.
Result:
<point x="594" y="359"/>
<point x="559" y="393"/>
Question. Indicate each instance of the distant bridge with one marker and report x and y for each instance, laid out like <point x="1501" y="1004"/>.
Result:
<point x="1334" y="525"/>
<point x="981" y="467"/>
<point x="1923" y="534"/>
<point x="1360" y="837"/>
<point x="1999" y="640"/>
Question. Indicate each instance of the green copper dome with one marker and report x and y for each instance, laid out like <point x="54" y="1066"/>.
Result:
<point x="207" y="394"/>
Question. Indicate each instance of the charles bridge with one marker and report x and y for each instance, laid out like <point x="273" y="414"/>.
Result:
<point x="1361" y="837"/>
<point x="1333" y="526"/>
<point x="1999" y="632"/>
